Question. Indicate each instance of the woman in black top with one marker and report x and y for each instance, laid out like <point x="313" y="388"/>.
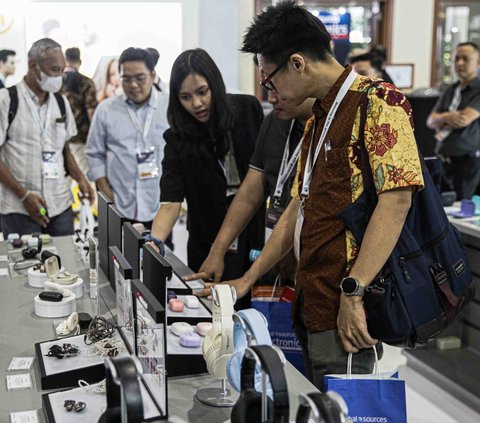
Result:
<point x="208" y="147"/>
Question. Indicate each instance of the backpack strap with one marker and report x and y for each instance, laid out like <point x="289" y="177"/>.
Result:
<point x="61" y="104"/>
<point x="12" y="111"/>
<point x="63" y="112"/>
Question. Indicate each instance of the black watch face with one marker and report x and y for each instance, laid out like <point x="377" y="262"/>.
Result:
<point x="349" y="285"/>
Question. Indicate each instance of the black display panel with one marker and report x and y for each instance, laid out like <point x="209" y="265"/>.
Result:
<point x="115" y="236"/>
<point x="132" y="248"/>
<point x="156" y="272"/>
<point x="103" y="255"/>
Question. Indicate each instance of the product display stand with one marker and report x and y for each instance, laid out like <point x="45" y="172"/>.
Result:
<point x="217" y="397"/>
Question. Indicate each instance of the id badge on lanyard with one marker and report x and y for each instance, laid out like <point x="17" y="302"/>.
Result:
<point x="50" y="165"/>
<point x="274" y="212"/>
<point x="147" y="164"/>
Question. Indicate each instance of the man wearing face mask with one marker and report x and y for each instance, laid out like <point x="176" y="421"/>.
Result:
<point x="35" y="124"/>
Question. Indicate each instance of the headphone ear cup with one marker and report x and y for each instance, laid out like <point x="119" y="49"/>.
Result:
<point x="303" y="413"/>
<point x="248" y="408"/>
<point x="234" y="368"/>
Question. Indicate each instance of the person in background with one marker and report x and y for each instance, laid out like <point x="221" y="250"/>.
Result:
<point x="161" y="86"/>
<point x="208" y="148"/>
<point x="379" y="57"/>
<point x="271" y="174"/>
<point x="81" y="93"/>
<point x="366" y="65"/>
<point x="455" y="118"/>
<point x="34" y="154"/>
<point x="7" y="66"/>
<point x="112" y="86"/>
<point x="125" y="143"/>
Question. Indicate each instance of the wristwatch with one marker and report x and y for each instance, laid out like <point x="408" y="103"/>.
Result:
<point x="350" y="286"/>
<point x="157" y="241"/>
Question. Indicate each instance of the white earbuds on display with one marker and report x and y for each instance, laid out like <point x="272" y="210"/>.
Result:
<point x="68" y="325"/>
<point x="181" y="328"/>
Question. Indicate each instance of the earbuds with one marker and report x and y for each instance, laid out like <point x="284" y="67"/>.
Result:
<point x="34" y="248"/>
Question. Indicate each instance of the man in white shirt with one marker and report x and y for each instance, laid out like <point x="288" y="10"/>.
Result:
<point x="7" y="65"/>
<point x="125" y="143"/>
<point x="34" y="188"/>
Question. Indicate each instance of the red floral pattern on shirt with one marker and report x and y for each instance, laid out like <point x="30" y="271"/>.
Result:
<point x="380" y="138"/>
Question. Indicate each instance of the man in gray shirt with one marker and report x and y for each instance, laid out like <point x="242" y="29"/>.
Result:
<point x="125" y="143"/>
<point x="455" y="120"/>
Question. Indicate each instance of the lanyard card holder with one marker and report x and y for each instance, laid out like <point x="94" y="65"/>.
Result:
<point x="147" y="164"/>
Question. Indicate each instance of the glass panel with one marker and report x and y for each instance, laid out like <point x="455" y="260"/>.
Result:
<point x="458" y="23"/>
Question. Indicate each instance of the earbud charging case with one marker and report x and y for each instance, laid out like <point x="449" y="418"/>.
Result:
<point x="55" y="309"/>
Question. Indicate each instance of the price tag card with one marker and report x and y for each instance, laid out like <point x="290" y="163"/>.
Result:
<point x="19" y="381"/>
<point x="20" y="363"/>
<point x="30" y="416"/>
<point x="4" y="258"/>
<point x="4" y="272"/>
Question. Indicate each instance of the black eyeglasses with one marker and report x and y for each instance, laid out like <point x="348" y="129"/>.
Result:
<point x="267" y="81"/>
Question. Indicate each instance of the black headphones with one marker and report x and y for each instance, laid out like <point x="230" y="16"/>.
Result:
<point x="31" y="252"/>
<point x="326" y="408"/>
<point x="123" y="390"/>
<point x="248" y="408"/>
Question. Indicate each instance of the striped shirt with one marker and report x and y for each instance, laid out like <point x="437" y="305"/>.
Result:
<point x="22" y="153"/>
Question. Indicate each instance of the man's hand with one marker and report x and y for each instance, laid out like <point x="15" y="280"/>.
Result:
<point x="211" y="269"/>
<point x="352" y="324"/>
<point x="86" y="189"/>
<point x="34" y="203"/>
<point x="242" y="286"/>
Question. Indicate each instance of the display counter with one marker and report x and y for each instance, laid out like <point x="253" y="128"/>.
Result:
<point x="21" y="329"/>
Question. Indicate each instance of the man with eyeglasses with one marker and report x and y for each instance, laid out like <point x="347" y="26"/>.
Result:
<point x="293" y="51"/>
<point x="125" y="143"/>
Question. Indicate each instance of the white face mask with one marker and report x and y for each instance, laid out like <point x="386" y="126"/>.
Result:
<point x="51" y="84"/>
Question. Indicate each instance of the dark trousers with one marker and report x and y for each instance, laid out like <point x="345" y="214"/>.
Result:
<point x="323" y="353"/>
<point x="22" y="224"/>
<point x="462" y="175"/>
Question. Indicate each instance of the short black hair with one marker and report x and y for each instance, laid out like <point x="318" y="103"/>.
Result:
<point x="375" y="61"/>
<point x="285" y="29"/>
<point x="72" y="54"/>
<point x="469" y="44"/>
<point x="155" y="54"/>
<point x="5" y="53"/>
<point x="198" y="61"/>
<point x="132" y="54"/>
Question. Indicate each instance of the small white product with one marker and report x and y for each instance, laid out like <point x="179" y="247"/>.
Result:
<point x="68" y="325"/>
<point x="12" y="237"/>
<point x="203" y="328"/>
<point x="55" y="287"/>
<point x="191" y="301"/>
<point x="181" y="328"/>
<point x="54" y="274"/>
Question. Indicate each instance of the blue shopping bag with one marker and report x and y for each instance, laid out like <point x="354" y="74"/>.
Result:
<point x="279" y="318"/>
<point x="376" y="398"/>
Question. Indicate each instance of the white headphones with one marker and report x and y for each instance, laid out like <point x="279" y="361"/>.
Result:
<point x="218" y="345"/>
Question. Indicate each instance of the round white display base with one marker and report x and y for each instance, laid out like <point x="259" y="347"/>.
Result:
<point x="55" y="309"/>
<point x="219" y="396"/>
<point x="36" y="279"/>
